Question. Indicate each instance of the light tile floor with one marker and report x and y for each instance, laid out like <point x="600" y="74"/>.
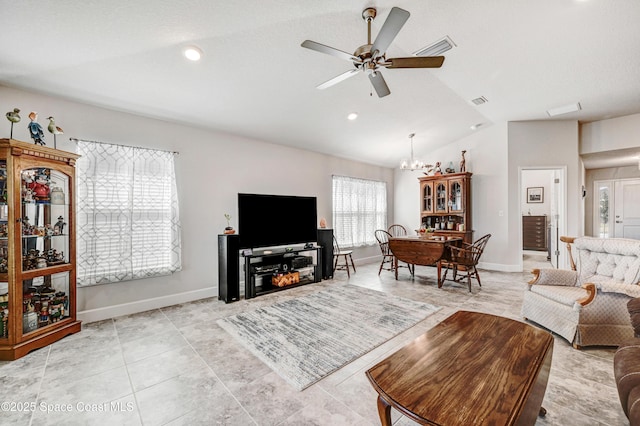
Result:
<point x="175" y="366"/>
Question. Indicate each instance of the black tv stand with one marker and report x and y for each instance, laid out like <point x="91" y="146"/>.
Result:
<point x="260" y="266"/>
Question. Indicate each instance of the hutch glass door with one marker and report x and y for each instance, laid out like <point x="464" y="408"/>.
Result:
<point x="44" y="247"/>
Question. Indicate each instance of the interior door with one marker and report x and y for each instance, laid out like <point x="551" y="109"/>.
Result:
<point x="627" y="208"/>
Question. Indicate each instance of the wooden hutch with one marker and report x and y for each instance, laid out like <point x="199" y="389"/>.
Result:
<point x="445" y="204"/>
<point x="37" y="247"/>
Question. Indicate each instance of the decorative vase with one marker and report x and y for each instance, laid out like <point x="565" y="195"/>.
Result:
<point x="57" y="196"/>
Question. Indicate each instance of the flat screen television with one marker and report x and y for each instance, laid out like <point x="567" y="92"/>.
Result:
<point x="276" y="220"/>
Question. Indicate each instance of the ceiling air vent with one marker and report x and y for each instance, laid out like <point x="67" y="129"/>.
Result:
<point x="479" y="101"/>
<point x="437" y="48"/>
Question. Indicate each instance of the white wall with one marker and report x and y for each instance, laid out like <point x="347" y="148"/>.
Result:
<point x="552" y="144"/>
<point x="610" y="135"/>
<point x="486" y="158"/>
<point x="211" y="169"/>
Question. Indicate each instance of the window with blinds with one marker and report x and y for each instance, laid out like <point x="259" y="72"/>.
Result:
<point x="127" y="214"/>
<point x="359" y="208"/>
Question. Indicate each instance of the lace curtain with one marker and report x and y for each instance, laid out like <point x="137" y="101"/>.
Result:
<point x="128" y="224"/>
<point x="359" y="208"/>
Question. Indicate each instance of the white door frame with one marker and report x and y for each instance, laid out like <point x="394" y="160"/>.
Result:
<point x="563" y="261"/>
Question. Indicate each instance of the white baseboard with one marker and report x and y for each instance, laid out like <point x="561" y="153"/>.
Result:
<point x="499" y="267"/>
<point x="99" y="314"/>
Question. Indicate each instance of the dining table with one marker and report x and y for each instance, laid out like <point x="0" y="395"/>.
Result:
<point x="427" y="250"/>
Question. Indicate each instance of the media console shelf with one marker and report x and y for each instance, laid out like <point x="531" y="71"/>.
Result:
<point x="260" y="267"/>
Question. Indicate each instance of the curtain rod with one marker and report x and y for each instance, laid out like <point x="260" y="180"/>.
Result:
<point x="128" y="146"/>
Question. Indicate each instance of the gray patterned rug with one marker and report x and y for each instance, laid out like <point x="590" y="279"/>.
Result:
<point x="307" y="338"/>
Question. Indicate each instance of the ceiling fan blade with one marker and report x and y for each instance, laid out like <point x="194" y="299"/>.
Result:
<point x="329" y="50"/>
<point x="390" y="29"/>
<point x="416" y="62"/>
<point x="379" y="84"/>
<point x="338" y="79"/>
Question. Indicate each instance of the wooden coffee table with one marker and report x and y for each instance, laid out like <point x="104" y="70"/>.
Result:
<point x="472" y="368"/>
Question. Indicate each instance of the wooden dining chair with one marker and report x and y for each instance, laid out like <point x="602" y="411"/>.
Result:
<point x="465" y="259"/>
<point x="346" y="255"/>
<point x="382" y="237"/>
<point x="397" y="230"/>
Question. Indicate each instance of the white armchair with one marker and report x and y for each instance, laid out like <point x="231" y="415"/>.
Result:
<point x="587" y="305"/>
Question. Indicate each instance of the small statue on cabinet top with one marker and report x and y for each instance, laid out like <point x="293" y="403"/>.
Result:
<point x="60" y="225"/>
<point x="54" y="129"/>
<point x="437" y="170"/>
<point x="13" y="117"/>
<point x="450" y="168"/>
<point x="35" y="129"/>
<point x="463" y="166"/>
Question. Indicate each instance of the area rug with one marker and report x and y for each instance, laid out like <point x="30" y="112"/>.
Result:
<point x="309" y="337"/>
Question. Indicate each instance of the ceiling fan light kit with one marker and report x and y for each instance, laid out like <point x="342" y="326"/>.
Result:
<point x="370" y="57"/>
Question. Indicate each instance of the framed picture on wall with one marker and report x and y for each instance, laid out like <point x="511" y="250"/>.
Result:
<point x="535" y="194"/>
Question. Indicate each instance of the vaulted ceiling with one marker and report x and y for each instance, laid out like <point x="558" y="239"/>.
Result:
<point x="524" y="57"/>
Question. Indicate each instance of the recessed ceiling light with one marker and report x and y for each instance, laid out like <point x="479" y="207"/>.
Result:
<point x="352" y="116"/>
<point x="564" y="109"/>
<point x="476" y="126"/>
<point x="193" y="53"/>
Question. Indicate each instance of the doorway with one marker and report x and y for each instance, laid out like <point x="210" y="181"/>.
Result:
<point x="543" y="200"/>
<point x="617" y="208"/>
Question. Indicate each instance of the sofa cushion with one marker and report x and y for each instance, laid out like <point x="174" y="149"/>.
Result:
<point x="617" y="259"/>
<point x="562" y="294"/>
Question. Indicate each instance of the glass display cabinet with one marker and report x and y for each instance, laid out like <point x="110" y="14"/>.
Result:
<point x="446" y="205"/>
<point x="37" y="247"/>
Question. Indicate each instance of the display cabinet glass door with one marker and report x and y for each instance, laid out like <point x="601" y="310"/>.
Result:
<point x="44" y="247"/>
<point x="427" y="197"/>
<point x="455" y="196"/>
<point x="441" y="197"/>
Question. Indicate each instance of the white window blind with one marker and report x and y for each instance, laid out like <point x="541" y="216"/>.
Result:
<point x="359" y="208"/>
<point x="127" y="216"/>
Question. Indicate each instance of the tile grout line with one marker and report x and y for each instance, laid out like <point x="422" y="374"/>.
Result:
<point x="210" y="369"/>
<point x="126" y="367"/>
<point x="46" y="361"/>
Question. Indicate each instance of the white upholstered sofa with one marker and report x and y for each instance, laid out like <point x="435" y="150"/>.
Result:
<point x="587" y="305"/>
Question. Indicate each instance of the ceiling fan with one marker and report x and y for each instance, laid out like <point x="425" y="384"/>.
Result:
<point x="370" y="57"/>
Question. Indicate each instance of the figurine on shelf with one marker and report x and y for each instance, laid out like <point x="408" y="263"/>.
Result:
<point x="40" y="188"/>
<point x="437" y="170"/>
<point x="35" y="129"/>
<point x="463" y="166"/>
<point x="60" y="225"/>
<point x="13" y="117"/>
<point x="54" y="258"/>
<point x="54" y="129"/>
<point x="450" y="168"/>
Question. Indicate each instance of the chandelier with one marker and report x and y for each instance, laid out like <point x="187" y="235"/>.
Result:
<point x="413" y="164"/>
